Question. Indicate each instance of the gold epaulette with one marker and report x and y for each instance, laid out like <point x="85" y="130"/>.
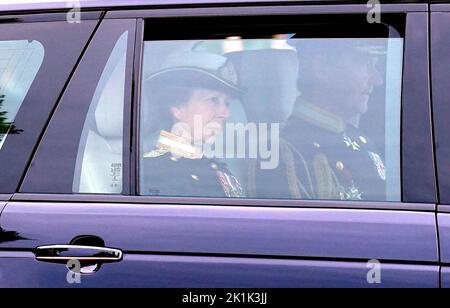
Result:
<point x="176" y="145"/>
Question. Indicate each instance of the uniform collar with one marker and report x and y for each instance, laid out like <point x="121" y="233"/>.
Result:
<point x="319" y="117"/>
<point x="176" y="145"/>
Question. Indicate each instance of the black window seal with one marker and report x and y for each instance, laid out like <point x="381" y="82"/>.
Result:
<point x="36" y="127"/>
<point x="262" y="9"/>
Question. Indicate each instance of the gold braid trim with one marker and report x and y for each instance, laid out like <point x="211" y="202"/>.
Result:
<point x="328" y="186"/>
<point x="295" y="185"/>
<point x="287" y="156"/>
<point x="251" y="179"/>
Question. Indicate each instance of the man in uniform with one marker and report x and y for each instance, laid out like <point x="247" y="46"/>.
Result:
<point x="324" y="155"/>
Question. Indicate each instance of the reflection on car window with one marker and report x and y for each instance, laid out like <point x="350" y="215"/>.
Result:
<point x="99" y="159"/>
<point x="20" y="62"/>
<point x="284" y="117"/>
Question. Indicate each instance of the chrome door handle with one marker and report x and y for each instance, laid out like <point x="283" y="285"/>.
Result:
<point x="65" y="253"/>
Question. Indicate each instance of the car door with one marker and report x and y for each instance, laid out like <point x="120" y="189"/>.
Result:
<point x="83" y="202"/>
<point x="440" y="35"/>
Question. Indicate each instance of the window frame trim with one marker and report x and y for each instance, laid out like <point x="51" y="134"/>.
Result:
<point x="417" y="159"/>
<point x="409" y="194"/>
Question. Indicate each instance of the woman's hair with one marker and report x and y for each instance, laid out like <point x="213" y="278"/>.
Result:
<point x="157" y="104"/>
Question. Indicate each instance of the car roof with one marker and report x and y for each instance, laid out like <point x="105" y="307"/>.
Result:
<point x="45" y="5"/>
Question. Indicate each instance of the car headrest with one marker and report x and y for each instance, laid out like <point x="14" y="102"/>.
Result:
<point x="269" y="77"/>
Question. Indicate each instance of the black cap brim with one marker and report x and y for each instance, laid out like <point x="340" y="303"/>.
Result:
<point x="193" y="77"/>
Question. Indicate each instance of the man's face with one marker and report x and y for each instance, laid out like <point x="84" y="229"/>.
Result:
<point x="206" y="110"/>
<point x="351" y="81"/>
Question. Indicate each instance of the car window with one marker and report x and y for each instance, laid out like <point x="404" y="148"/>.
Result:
<point x="36" y="61"/>
<point x="299" y="113"/>
<point x="441" y="107"/>
<point x="19" y="64"/>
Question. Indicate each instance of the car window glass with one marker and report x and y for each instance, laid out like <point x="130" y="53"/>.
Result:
<point x="99" y="158"/>
<point x="279" y="116"/>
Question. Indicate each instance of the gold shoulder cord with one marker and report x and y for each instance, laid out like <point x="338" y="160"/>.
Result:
<point x="295" y="185"/>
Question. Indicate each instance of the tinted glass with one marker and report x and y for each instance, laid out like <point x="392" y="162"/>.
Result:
<point x="19" y="64"/>
<point x="282" y="115"/>
<point x="99" y="159"/>
<point x="81" y="150"/>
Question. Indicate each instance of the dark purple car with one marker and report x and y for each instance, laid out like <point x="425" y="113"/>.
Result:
<point x="209" y="143"/>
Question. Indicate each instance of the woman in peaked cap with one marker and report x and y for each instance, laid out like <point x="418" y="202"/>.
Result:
<point x="188" y="100"/>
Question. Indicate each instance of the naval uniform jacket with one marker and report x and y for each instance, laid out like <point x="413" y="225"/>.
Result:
<point x="169" y="171"/>
<point x="321" y="157"/>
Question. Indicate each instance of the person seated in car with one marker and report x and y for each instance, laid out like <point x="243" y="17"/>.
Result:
<point x="323" y="153"/>
<point x="188" y="101"/>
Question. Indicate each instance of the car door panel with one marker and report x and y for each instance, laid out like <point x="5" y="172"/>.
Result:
<point x="138" y="270"/>
<point x="341" y="233"/>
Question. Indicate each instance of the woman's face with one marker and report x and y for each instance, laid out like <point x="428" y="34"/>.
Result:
<point x="206" y="110"/>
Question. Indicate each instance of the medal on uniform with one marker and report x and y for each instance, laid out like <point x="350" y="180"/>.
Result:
<point x="351" y="143"/>
<point x="379" y="165"/>
<point x="352" y="193"/>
